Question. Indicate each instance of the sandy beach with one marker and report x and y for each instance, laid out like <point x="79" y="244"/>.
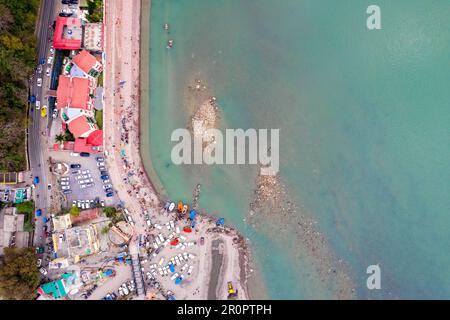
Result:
<point x="122" y="94"/>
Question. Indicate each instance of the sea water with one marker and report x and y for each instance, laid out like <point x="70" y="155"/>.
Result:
<point x="364" y="121"/>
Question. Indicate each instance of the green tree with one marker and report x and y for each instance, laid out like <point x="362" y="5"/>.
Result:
<point x="26" y="207"/>
<point x="19" y="277"/>
<point x="75" y="211"/>
<point x="110" y="212"/>
<point x="59" y="138"/>
<point x="105" y="230"/>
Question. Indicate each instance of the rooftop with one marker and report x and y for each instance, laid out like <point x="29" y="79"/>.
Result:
<point x="73" y="92"/>
<point x="68" y="33"/>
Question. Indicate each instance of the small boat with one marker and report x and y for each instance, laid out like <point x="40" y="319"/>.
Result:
<point x="185" y="209"/>
<point x="171" y="206"/>
<point x="180" y="206"/>
<point x="169" y="44"/>
<point x="166" y="26"/>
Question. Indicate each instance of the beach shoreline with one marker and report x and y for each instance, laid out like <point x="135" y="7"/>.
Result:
<point x="126" y="129"/>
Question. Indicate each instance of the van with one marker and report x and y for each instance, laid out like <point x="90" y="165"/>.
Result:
<point x="38" y="104"/>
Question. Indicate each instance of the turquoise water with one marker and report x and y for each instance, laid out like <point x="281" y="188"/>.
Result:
<point x="364" y="121"/>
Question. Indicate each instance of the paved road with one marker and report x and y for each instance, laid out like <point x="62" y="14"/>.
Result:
<point x="37" y="146"/>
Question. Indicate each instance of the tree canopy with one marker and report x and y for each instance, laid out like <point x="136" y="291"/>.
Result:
<point x="17" y="62"/>
<point x="19" y="277"/>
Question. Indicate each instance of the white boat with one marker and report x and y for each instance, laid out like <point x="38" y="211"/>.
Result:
<point x="166" y="26"/>
<point x="169" y="44"/>
<point x="172" y="206"/>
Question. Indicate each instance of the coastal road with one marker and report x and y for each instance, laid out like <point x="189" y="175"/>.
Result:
<point x="37" y="146"/>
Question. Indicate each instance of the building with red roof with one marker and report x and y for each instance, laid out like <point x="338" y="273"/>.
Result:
<point x="82" y="126"/>
<point x="95" y="138"/>
<point x="68" y="33"/>
<point x="75" y="92"/>
<point x="86" y="215"/>
<point x="82" y="145"/>
<point x="87" y="63"/>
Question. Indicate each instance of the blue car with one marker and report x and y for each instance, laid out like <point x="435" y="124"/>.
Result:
<point x="38" y="212"/>
<point x="33" y="99"/>
<point x="109" y="194"/>
<point x="36" y="180"/>
<point x="42" y="61"/>
<point x="104" y="177"/>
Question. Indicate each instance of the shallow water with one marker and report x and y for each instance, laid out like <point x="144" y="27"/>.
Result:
<point x="364" y="124"/>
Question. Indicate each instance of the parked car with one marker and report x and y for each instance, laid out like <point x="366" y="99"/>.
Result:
<point x="102" y="203"/>
<point x="102" y="168"/>
<point x="100" y="159"/>
<point x="103" y="173"/>
<point x="65" y="187"/>
<point x="67" y="191"/>
<point x="109" y="190"/>
<point x="39" y="68"/>
<point x="52" y="50"/>
<point x="55" y="113"/>
<point x="85" y="154"/>
<point x="104" y="177"/>
<point x="43" y="271"/>
<point x="33" y="98"/>
<point x="100" y="164"/>
<point x="39" y="262"/>
<point x="39" y="82"/>
<point x="49" y="186"/>
<point x="48" y="72"/>
<point x="36" y="180"/>
<point x="38" y="104"/>
<point x="109" y="194"/>
<point x="75" y="154"/>
<point x="75" y="166"/>
<point x="50" y="60"/>
<point x="106" y="181"/>
<point x="107" y="186"/>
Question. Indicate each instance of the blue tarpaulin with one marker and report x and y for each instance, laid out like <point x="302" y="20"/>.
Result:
<point x="220" y="222"/>
<point x="193" y="214"/>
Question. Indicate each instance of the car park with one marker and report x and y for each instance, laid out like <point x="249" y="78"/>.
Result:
<point x="75" y="166"/>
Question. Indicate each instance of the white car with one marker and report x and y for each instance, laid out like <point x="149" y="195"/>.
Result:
<point x="43" y="271"/>
<point x="65" y="187"/>
<point x="52" y="50"/>
<point x="55" y="113"/>
<point x="106" y="181"/>
<point x="100" y="164"/>
<point x="74" y="154"/>
<point x="65" y="183"/>
<point x="39" y="262"/>
<point x="82" y="186"/>
<point x="38" y="104"/>
<point x="48" y="71"/>
<point x="74" y="203"/>
<point x="39" y="68"/>
<point x="50" y="60"/>
<point x="39" y="82"/>
<point x="102" y="203"/>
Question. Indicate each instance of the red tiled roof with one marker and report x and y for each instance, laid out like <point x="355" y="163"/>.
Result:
<point x="96" y="138"/>
<point x="66" y="44"/>
<point x="85" y="61"/>
<point x="79" y="126"/>
<point x="73" y="92"/>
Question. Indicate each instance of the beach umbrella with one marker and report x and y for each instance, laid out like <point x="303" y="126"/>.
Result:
<point x="220" y="222"/>
<point x="192" y="214"/>
<point x="187" y="229"/>
<point x="174" y="242"/>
